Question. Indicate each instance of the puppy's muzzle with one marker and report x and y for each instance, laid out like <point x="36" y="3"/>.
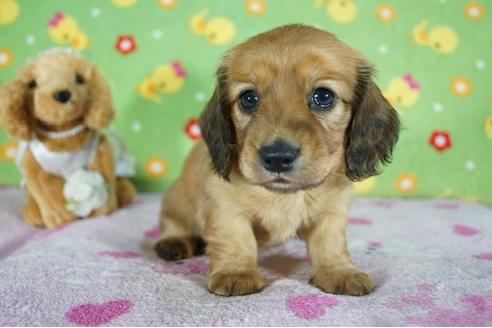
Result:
<point x="278" y="157"/>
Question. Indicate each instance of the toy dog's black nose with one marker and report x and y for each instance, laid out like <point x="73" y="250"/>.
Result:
<point x="62" y="96"/>
<point x="278" y="157"/>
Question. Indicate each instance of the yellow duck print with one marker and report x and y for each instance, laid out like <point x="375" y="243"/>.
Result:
<point x="165" y="79"/>
<point x="9" y="10"/>
<point x="167" y="4"/>
<point x="123" y="3"/>
<point x="340" y="11"/>
<point x="488" y="126"/>
<point x="217" y="30"/>
<point x="441" y="38"/>
<point x="65" y="30"/>
<point x="402" y="92"/>
<point x="364" y="186"/>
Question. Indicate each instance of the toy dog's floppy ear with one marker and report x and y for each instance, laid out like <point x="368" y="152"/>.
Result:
<point x="14" y="111"/>
<point x="217" y="127"/>
<point x="373" y="130"/>
<point x="100" y="111"/>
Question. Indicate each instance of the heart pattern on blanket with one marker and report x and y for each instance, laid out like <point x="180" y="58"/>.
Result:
<point x="310" y="306"/>
<point x="471" y="310"/>
<point x="97" y="314"/>
<point x="446" y="205"/>
<point x="153" y="232"/>
<point x="483" y="256"/>
<point x="195" y="265"/>
<point x="119" y="255"/>
<point x="464" y="230"/>
<point x="359" y="221"/>
<point x="48" y="232"/>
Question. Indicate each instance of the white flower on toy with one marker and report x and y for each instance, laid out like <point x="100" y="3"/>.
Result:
<point x="84" y="191"/>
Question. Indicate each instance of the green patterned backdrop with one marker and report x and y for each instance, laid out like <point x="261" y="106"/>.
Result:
<point x="434" y="61"/>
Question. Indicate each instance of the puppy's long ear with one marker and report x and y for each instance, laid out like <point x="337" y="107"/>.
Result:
<point x="373" y="130"/>
<point x="14" y="114"/>
<point x="217" y="127"/>
<point x="100" y="111"/>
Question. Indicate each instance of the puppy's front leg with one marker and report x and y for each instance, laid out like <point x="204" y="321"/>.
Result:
<point x="333" y="268"/>
<point x="232" y="247"/>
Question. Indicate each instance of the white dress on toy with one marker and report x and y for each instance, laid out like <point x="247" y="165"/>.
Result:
<point x="84" y="190"/>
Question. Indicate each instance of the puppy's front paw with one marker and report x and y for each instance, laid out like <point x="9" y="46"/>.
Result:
<point x="345" y="282"/>
<point x="235" y="283"/>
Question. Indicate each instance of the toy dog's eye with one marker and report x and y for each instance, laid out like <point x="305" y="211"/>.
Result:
<point x="248" y="101"/>
<point x="79" y="79"/>
<point x="322" y="99"/>
<point x="32" y="84"/>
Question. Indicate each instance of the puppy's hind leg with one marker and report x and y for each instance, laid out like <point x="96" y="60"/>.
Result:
<point x="178" y="248"/>
<point x="180" y="234"/>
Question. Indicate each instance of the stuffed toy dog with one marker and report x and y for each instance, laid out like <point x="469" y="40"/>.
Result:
<point x="57" y="107"/>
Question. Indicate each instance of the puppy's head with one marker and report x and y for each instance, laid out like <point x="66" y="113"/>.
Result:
<point x="293" y="106"/>
<point x="55" y="88"/>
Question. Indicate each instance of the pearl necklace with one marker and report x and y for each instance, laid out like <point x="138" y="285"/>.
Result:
<point x="62" y="134"/>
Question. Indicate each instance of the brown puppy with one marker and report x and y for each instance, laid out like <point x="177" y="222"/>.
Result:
<point x="294" y="119"/>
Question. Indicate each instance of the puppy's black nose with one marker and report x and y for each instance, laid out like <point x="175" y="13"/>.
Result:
<point x="62" y="96"/>
<point x="278" y="157"/>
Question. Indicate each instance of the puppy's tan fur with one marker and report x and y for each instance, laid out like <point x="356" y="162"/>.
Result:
<point x="24" y="110"/>
<point x="236" y="205"/>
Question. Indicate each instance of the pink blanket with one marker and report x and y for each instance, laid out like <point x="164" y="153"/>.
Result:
<point x="431" y="261"/>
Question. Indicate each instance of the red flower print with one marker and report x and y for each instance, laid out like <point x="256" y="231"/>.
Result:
<point x="192" y="129"/>
<point x="125" y="44"/>
<point x="440" y="140"/>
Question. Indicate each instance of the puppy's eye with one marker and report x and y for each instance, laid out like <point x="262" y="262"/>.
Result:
<point x="79" y="79"/>
<point x="248" y="101"/>
<point x="323" y="99"/>
<point x="32" y="84"/>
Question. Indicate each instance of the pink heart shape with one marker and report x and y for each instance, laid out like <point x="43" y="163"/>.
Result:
<point x="153" y="232"/>
<point x="451" y="206"/>
<point x="122" y="255"/>
<point x="194" y="265"/>
<point x="374" y="203"/>
<point x="98" y="314"/>
<point x="479" y="303"/>
<point x="363" y="221"/>
<point x="464" y="230"/>
<point x="310" y="306"/>
<point x="48" y="232"/>
<point x="483" y="256"/>
<point x="374" y="244"/>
